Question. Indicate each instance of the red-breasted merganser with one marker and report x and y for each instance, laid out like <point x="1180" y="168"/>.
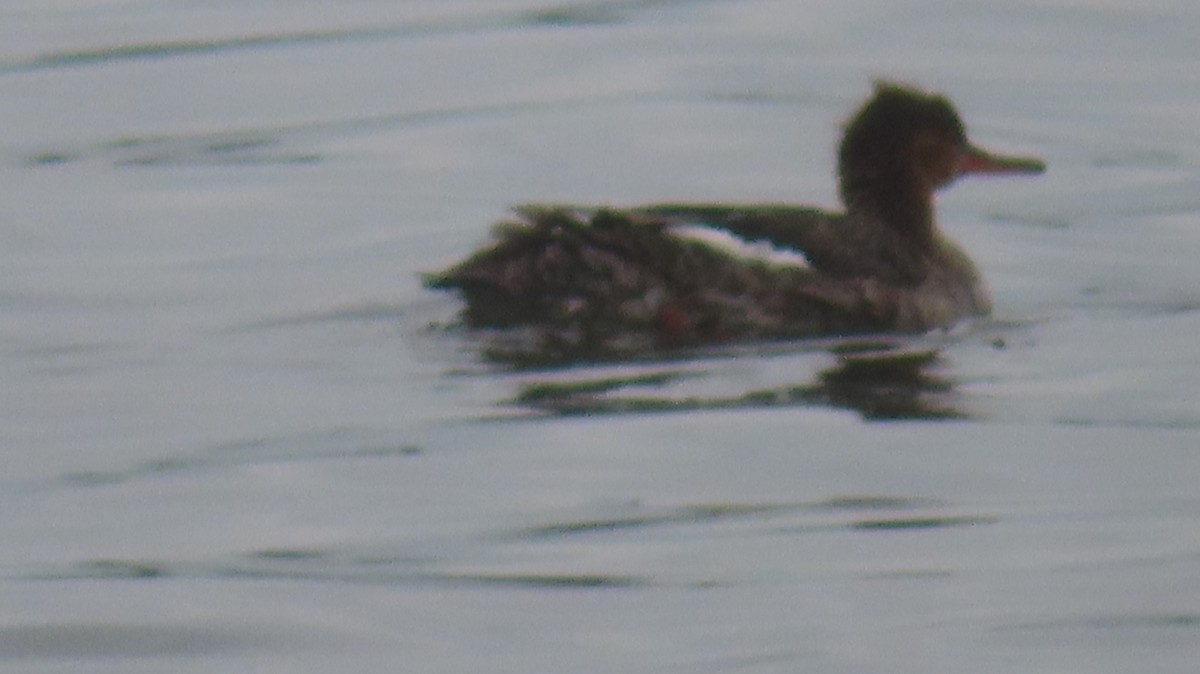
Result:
<point x="587" y="282"/>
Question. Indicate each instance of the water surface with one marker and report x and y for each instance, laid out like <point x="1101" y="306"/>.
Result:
<point x="238" y="433"/>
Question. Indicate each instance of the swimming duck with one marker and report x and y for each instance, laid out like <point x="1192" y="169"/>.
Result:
<point x="586" y="282"/>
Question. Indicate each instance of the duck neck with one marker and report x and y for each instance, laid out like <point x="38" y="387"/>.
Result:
<point x="899" y="202"/>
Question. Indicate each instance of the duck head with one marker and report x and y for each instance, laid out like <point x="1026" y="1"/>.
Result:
<point x="901" y="146"/>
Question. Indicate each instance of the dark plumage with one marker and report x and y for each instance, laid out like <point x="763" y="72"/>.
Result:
<point x="597" y="282"/>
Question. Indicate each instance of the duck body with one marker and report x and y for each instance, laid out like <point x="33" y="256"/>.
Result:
<point x="585" y="281"/>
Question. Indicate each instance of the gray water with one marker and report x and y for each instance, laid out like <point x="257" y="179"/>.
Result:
<point x="239" y="436"/>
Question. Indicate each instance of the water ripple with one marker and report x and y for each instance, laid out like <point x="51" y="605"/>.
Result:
<point x="329" y="444"/>
<point x="1116" y="622"/>
<point x="273" y="144"/>
<point x="881" y="386"/>
<point x="94" y="641"/>
<point x="711" y="512"/>
<point x="326" y="566"/>
<point x="539" y="581"/>
<point x="568" y="15"/>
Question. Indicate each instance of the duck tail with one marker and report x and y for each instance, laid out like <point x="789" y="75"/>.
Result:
<point x="547" y="261"/>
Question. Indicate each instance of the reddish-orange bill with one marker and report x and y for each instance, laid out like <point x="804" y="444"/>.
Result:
<point x="975" y="160"/>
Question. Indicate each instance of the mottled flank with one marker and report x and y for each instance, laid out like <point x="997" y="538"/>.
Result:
<point x="619" y="283"/>
<point x="584" y="283"/>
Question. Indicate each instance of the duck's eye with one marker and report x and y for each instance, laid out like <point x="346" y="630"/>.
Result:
<point x="934" y="156"/>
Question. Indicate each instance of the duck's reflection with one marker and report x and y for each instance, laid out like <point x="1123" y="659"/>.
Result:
<point x="889" y="386"/>
<point x="878" y="385"/>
